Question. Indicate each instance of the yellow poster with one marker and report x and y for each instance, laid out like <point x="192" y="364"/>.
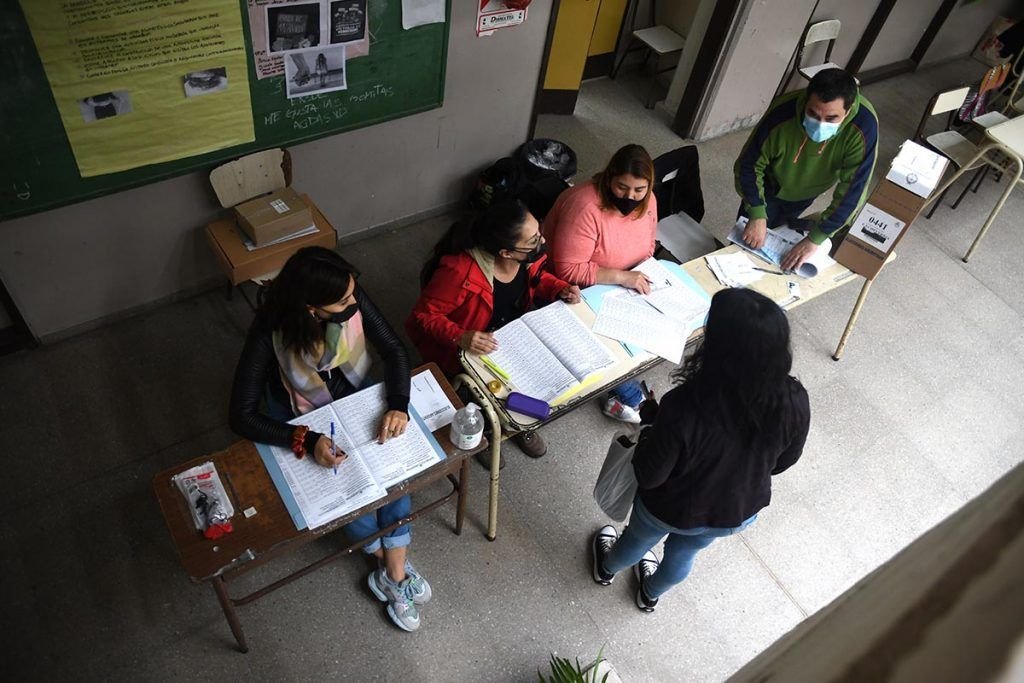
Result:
<point x="143" y="81"/>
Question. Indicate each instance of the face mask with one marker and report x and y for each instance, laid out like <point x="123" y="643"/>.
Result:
<point x="342" y="317"/>
<point x="625" y="205"/>
<point x="820" y="131"/>
<point x="533" y="255"/>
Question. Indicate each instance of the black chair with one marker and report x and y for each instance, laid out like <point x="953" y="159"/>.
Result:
<point x="681" y="206"/>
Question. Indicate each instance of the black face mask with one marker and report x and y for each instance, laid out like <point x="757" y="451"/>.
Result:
<point x="533" y="255"/>
<point x="625" y="205"/>
<point x="342" y="317"/>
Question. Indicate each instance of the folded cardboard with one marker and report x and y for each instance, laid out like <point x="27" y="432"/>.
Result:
<point x="887" y="214"/>
<point x="241" y="264"/>
<point x="273" y="216"/>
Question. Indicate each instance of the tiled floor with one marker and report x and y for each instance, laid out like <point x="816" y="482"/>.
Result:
<point x="922" y="413"/>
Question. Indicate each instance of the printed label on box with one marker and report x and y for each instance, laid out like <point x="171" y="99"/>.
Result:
<point x="877" y="228"/>
<point x="279" y="206"/>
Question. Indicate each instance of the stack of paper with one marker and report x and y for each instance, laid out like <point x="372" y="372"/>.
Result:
<point x="778" y="241"/>
<point x="733" y="270"/>
<point x="659" y="322"/>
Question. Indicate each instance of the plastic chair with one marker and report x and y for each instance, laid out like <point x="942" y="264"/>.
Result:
<point x="947" y="142"/>
<point x="817" y="33"/>
<point x="657" y="40"/>
<point x="681" y="206"/>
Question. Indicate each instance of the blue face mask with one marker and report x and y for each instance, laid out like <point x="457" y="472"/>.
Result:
<point x="820" y="131"/>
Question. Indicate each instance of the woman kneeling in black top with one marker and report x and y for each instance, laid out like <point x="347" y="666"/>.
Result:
<point x="704" y="467"/>
<point x="306" y="348"/>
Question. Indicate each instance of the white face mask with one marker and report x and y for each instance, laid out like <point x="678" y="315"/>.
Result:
<point x="820" y="131"/>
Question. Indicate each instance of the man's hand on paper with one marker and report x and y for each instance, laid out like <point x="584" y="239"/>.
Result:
<point x="478" y="342"/>
<point x="570" y="295"/>
<point x="392" y="424"/>
<point x="801" y="252"/>
<point x="322" y="453"/>
<point x="755" y="232"/>
<point x="633" y="279"/>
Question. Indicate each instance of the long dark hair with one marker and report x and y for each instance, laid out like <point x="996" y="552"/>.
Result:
<point x="631" y="159"/>
<point x="313" y="276"/>
<point x="497" y="227"/>
<point x="739" y="374"/>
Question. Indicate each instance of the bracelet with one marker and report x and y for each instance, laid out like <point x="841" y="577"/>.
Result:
<point x="298" y="437"/>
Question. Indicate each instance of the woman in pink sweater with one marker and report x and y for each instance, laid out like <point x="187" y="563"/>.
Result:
<point x="600" y="229"/>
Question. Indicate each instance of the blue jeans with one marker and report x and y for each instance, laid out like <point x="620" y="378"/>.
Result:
<point x="629" y="392"/>
<point x="645" y="531"/>
<point x="371" y="522"/>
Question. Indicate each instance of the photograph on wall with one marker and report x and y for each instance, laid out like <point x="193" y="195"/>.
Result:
<point x="293" y="26"/>
<point x="315" y="70"/>
<point x="877" y="228"/>
<point x="347" y="20"/>
<point x="206" y="81"/>
<point x="270" y="63"/>
<point x="105" y="105"/>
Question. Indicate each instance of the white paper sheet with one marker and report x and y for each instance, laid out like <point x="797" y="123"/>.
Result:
<point x="877" y="228"/>
<point x="533" y="368"/>
<point x="420" y="12"/>
<point x="917" y="168"/>
<point x="572" y="342"/>
<point x="633" y="321"/>
<point x="430" y="401"/>
<point x="778" y="241"/>
<point x="733" y="270"/>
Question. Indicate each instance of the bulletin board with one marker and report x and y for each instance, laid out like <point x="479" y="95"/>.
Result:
<point x="397" y="72"/>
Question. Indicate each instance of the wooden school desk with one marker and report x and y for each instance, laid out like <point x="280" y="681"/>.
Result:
<point x="270" y="532"/>
<point x="504" y="425"/>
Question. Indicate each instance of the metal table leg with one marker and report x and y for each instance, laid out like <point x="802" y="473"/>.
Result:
<point x="853" y="320"/>
<point x="999" y="205"/>
<point x="492" y="417"/>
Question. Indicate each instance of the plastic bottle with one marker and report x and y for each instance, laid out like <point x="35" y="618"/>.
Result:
<point x="467" y="428"/>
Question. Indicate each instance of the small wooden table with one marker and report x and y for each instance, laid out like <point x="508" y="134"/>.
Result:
<point x="270" y="532"/>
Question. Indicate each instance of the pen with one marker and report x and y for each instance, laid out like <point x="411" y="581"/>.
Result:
<point x="492" y="366"/>
<point x="334" y="453"/>
<point x="765" y="270"/>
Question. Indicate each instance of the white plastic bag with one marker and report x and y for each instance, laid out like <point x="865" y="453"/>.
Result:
<point x="616" y="485"/>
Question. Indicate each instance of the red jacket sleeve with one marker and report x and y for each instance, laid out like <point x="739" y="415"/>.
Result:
<point x="549" y="287"/>
<point x="442" y="295"/>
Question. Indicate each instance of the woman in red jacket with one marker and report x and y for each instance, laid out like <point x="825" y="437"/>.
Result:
<point x="483" y="274"/>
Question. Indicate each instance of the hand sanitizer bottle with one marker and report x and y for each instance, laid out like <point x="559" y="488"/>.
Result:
<point x="467" y="428"/>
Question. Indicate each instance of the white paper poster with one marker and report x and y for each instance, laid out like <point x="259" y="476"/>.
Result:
<point x="877" y="228"/>
<point x="421" y="12"/>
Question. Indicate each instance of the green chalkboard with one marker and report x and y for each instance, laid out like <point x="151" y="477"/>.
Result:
<point x="402" y="75"/>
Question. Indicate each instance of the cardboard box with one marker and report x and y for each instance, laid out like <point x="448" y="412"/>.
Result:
<point x="883" y="222"/>
<point x="273" y="216"/>
<point x="240" y="264"/>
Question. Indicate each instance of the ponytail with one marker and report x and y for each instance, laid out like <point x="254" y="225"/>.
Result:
<point x="496" y="228"/>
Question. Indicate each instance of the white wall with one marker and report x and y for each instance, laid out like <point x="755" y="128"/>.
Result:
<point x="901" y="33"/>
<point x="758" y="54"/>
<point x="961" y="32"/>
<point x="69" y="266"/>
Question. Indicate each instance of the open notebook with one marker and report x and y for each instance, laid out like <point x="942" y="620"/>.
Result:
<point x="550" y="354"/>
<point x="777" y="242"/>
<point x="315" y="495"/>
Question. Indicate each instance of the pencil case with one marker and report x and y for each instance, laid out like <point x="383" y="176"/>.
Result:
<point x="527" y="405"/>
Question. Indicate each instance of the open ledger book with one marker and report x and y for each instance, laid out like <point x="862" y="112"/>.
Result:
<point x="550" y="354"/>
<point x="315" y="495"/>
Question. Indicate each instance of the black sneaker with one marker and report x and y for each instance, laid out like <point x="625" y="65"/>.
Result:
<point x="643" y="570"/>
<point x="601" y="545"/>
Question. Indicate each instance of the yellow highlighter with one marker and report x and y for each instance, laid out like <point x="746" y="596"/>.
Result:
<point x="493" y="367"/>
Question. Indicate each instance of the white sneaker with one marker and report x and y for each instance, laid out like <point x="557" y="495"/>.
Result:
<point x="398" y="596"/>
<point x="617" y="410"/>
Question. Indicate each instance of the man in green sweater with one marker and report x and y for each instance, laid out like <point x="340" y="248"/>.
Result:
<point x="808" y="141"/>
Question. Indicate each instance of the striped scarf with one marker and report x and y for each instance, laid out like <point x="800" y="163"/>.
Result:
<point x="344" y="347"/>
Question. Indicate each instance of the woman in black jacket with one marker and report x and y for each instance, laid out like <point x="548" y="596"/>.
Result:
<point x="704" y="467"/>
<point x="306" y="348"/>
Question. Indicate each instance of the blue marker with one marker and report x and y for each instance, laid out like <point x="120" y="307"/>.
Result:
<point x="333" y="453"/>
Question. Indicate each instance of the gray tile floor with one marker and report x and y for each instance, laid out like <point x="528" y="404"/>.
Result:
<point x="921" y="415"/>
